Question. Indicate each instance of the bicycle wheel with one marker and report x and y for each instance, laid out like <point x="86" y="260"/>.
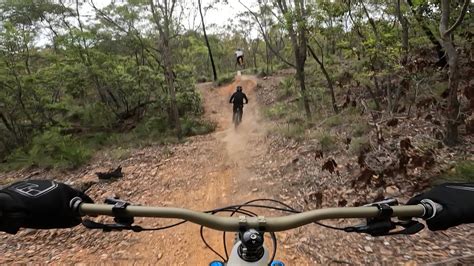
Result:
<point x="238" y="117"/>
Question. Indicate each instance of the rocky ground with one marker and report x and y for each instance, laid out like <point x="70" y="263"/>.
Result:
<point x="227" y="167"/>
<point x="303" y="180"/>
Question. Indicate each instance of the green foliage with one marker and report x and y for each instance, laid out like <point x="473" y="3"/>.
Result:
<point x="120" y="153"/>
<point x="89" y="81"/>
<point x="192" y="127"/>
<point x="153" y="128"/>
<point x="94" y="115"/>
<point x="277" y="111"/>
<point x="359" y="144"/>
<point x="463" y="171"/>
<point x="225" y="78"/>
<point x="109" y="75"/>
<point x="334" y="121"/>
<point x="203" y="79"/>
<point x="286" y="88"/>
<point x="360" y="129"/>
<point x="327" y="141"/>
<point x="52" y="149"/>
<point x="293" y="131"/>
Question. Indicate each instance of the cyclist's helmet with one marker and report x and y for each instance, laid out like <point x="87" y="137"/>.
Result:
<point x="239" y="88"/>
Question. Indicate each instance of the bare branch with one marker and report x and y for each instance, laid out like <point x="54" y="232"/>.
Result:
<point x="265" y="37"/>
<point x="460" y="18"/>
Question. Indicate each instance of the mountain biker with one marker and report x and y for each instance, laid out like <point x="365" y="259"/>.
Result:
<point x="239" y="54"/>
<point x="237" y="99"/>
<point x="44" y="204"/>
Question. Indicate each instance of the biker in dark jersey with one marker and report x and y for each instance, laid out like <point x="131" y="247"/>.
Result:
<point x="237" y="99"/>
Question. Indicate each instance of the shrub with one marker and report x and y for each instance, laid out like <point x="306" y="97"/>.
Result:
<point x="334" y="120"/>
<point x="277" y="111"/>
<point x="463" y="171"/>
<point x="327" y="141"/>
<point x="286" y="88"/>
<point x="360" y="129"/>
<point x="153" y="128"/>
<point x="52" y="150"/>
<point x="91" y="115"/>
<point x="358" y="144"/>
<point x="192" y="126"/>
<point x="225" y="78"/>
<point x="262" y="73"/>
<point x="202" y="79"/>
<point x="293" y="131"/>
<point x="189" y="102"/>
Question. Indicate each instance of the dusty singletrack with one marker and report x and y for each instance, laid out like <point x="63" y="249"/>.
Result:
<point x="216" y="173"/>
<point x="203" y="173"/>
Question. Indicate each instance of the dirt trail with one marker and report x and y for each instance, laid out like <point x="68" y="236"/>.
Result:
<point x="224" y="168"/>
<point x="220" y="165"/>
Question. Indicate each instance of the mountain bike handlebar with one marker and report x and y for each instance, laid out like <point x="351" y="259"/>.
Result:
<point x="424" y="210"/>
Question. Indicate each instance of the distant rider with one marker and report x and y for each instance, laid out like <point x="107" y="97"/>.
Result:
<point x="238" y="100"/>
<point x="239" y="54"/>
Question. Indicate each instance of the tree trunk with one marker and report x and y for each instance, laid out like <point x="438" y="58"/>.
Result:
<point x="404" y="24"/>
<point x="267" y="57"/>
<point x="170" y="81"/>
<point x="254" y="50"/>
<point x="452" y="124"/>
<point x="328" y="78"/>
<point x="214" y="73"/>
<point x="299" y="48"/>
<point x="163" y="24"/>
<point x="371" y="22"/>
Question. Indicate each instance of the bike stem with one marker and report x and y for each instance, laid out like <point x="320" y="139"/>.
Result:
<point x="251" y="246"/>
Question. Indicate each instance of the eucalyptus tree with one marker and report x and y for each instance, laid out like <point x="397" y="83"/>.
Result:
<point x="446" y="30"/>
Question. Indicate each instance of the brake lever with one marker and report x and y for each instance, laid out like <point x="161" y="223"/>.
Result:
<point x="111" y="227"/>
<point x="382" y="224"/>
<point x="122" y="220"/>
<point x="387" y="201"/>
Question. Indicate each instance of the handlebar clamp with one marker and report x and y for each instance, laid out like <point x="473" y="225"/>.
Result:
<point x="119" y="210"/>
<point x="385" y="211"/>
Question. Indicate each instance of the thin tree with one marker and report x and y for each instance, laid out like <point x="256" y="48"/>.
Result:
<point x="299" y="41"/>
<point x="404" y="23"/>
<point x="326" y="75"/>
<point x="163" y="21"/>
<point x="445" y="32"/>
<point x="207" y="42"/>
